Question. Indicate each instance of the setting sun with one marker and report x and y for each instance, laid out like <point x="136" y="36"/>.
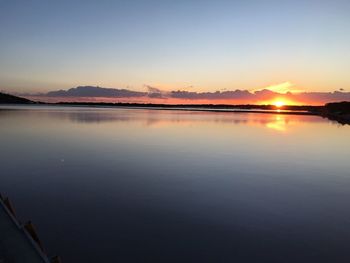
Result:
<point x="279" y="104"/>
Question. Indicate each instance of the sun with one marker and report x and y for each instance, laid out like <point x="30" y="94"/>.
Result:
<point x="279" y="103"/>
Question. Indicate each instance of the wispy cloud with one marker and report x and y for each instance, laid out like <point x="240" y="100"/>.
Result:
<point x="154" y="92"/>
<point x="283" y="87"/>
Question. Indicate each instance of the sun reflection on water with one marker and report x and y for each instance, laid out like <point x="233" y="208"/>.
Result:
<point x="278" y="124"/>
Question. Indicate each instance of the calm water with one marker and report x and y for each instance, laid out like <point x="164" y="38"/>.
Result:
<point x="123" y="185"/>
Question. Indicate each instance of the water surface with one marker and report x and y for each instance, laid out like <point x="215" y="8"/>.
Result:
<point x="138" y="185"/>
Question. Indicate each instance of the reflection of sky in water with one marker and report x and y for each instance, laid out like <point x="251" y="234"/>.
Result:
<point x="141" y="185"/>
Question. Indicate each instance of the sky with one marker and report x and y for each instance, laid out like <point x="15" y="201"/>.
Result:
<point x="197" y="46"/>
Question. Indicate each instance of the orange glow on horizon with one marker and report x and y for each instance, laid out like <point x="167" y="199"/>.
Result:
<point x="279" y="103"/>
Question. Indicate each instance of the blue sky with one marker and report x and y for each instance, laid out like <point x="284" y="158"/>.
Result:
<point x="210" y="45"/>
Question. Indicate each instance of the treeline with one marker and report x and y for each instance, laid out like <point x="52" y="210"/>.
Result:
<point x="339" y="111"/>
<point x="338" y="107"/>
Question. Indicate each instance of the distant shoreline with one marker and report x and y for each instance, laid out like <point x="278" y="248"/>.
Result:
<point x="264" y="109"/>
<point x="337" y="111"/>
<point x="204" y="107"/>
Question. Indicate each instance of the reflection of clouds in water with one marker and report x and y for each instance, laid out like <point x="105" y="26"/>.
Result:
<point x="161" y="118"/>
<point x="94" y="117"/>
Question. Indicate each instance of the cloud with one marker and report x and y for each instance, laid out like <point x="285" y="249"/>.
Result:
<point x="322" y="97"/>
<point x="153" y="94"/>
<point x="217" y="95"/>
<point x="91" y="91"/>
<point x="265" y="94"/>
<point x="281" y="87"/>
<point x="152" y="89"/>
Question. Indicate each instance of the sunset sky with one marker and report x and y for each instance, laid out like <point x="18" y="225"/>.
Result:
<point x="194" y="46"/>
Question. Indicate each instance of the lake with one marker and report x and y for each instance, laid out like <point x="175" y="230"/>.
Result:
<point x="139" y="185"/>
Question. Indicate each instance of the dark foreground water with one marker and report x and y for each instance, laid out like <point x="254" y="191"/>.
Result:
<point x="123" y="185"/>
